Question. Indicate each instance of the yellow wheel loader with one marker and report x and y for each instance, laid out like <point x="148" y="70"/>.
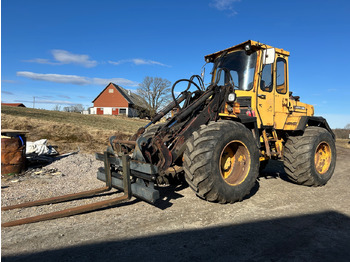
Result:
<point x="222" y="134"/>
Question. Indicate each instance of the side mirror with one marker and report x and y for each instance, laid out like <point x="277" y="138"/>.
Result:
<point x="268" y="56"/>
<point x="203" y="72"/>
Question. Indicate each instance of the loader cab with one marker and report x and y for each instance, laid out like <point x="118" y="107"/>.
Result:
<point x="259" y="75"/>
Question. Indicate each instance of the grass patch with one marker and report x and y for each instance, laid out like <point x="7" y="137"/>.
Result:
<point x="69" y="130"/>
<point x="122" y="124"/>
<point x="342" y="143"/>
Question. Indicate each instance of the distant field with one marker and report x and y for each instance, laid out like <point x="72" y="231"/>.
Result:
<point x="89" y="132"/>
<point x="68" y="130"/>
<point x="343" y="143"/>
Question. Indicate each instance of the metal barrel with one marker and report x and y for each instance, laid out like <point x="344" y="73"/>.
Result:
<point x="13" y="160"/>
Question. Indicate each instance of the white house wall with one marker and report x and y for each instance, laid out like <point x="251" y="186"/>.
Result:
<point x="109" y="110"/>
<point x="92" y="110"/>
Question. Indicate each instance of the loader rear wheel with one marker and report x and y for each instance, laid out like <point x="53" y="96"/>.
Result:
<point x="221" y="162"/>
<point x="310" y="159"/>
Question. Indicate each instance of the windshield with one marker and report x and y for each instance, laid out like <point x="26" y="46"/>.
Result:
<point x="236" y="67"/>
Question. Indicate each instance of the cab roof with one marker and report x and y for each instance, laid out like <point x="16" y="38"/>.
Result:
<point x="254" y="46"/>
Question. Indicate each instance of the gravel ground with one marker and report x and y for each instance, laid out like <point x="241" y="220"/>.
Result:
<point x="278" y="221"/>
<point x="68" y="175"/>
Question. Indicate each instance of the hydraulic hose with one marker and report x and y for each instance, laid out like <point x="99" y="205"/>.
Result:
<point x="178" y="81"/>
<point x="166" y="109"/>
<point x="194" y="105"/>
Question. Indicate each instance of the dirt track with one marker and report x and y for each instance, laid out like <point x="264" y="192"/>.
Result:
<point x="279" y="221"/>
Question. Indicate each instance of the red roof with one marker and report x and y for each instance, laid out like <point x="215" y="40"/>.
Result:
<point x="13" y="104"/>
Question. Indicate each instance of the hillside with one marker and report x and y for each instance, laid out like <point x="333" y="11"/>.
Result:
<point x="88" y="132"/>
<point x="69" y="130"/>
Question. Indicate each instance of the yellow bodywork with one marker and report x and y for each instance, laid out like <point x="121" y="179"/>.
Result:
<point x="275" y="109"/>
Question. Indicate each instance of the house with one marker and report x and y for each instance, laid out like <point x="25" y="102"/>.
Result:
<point x="13" y="104"/>
<point x="115" y="100"/>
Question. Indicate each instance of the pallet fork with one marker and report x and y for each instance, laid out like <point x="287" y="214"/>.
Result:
<point x="107" y="158"/>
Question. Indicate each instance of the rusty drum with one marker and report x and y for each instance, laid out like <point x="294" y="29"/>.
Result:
<point x="13" y="159"/>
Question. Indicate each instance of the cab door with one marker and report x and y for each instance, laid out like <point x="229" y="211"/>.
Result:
<point x="265" y="99"/>
<point x="281" y="91"/>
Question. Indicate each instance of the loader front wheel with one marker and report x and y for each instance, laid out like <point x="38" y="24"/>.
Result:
<point x="221" y="162"/>
<point x="310" y="159"/>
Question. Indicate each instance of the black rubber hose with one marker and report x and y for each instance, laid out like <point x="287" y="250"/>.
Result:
<point x="194" y="105"/>
<point x="200" y="81"/>
<point x="178" y="81"/>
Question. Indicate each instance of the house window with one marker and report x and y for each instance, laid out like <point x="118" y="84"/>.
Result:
<point x="111" y="90"/>
<point x="122" y="111"/>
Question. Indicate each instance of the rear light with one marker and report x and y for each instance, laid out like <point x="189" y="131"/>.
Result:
<point x="251" y="113"/>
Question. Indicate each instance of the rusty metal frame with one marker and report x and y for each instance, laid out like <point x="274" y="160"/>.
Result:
<point x="79" y="209"/>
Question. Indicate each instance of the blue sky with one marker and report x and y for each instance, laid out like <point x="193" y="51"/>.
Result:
<point x="65" y="52"/>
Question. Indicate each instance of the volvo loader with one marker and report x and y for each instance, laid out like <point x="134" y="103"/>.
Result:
<point x="220" y="135"/>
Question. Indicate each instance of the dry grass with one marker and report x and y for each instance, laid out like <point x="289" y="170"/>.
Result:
<point x="343" y="143"/>
<point x="69" y="130"/>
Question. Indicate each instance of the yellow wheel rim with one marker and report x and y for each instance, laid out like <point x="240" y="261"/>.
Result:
<point x="234" y="163"/>
<point x="323" y="157"/>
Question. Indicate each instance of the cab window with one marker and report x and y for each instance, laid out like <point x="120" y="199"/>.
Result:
<point x="238" y="67"/>
<point x="266" y="78"/>
<point x="281" y="83"/>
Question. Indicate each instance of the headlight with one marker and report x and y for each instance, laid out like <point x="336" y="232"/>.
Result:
<point x="231" y="97"/>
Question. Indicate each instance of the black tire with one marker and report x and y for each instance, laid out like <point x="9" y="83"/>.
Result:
<point x="310" y="159"/>
<point x="150" y="131"/>
<point x="209" y="170"/>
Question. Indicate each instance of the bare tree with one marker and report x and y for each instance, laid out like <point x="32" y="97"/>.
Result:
<point x="156" y="92"/>
<point x="347" y="126"/>
<point x="77" y="108"/>
<point x="57" y="108"/>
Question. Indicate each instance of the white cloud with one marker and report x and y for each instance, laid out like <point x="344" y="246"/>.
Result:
<point x="224" y="5"/>
<point x="57" y="78"/>
<point x="6" y="92"/>
<point x="41" y="61"/>
<point x="137" y="61"/>
<point x="8" y="81"/>
<point x="64" y="96"/>
<point x="117" y="62"/>
<point x="76" y="80"/>
<point x="62" y="57"/>
<point x="118" y="81"/>
<point x="66" y="57"/>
